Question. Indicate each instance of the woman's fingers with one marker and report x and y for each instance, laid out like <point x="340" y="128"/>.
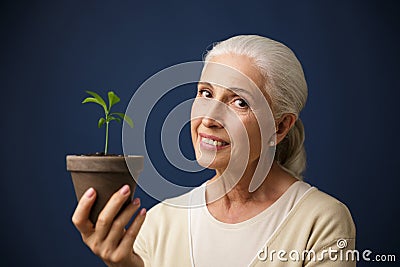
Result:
<point x="117" y="252"/>
<point x="117" y="230"/>
<point x="80" y="218"/>
<point x="108" y="238"/>
<point x="132" y="232"/>
<point x="110" y="211"/>
<point x="124" y="252"/>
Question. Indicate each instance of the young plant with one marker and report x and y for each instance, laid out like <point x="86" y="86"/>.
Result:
<point x="109" y="116"/>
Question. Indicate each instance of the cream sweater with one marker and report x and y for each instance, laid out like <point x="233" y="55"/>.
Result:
<point x="312" y="227"/>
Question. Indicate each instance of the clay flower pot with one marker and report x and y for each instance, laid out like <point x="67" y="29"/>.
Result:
<point x="106" y="174"/>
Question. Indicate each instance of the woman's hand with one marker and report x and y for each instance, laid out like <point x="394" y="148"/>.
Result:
<point x="109" y="239"/>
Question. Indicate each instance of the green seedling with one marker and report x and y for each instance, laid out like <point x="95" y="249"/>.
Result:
<point x="109" y="116"/>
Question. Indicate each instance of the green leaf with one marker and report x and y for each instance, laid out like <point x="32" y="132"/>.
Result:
<point x="125" y="118"/>
<point x="101" y="122"/>
<point x="112" y="99"/>
<point x="91" y="100"/>
<point x="112" y="118"/>
<point x="99" y="100"/>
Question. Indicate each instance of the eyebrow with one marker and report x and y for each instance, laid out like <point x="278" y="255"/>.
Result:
<point x="236" y="90"/>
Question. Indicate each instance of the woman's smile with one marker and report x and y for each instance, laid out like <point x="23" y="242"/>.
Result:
<point x="211" y="142"/>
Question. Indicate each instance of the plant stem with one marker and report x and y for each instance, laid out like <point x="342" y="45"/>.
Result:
<point x="106" y="146"/>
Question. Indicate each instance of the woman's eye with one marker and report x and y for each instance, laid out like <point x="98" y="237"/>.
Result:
<point x="240" y="103"/>
<point x="204" y="93"/>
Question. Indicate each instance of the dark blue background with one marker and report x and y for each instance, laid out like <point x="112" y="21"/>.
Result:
<point x="51" y="51"/>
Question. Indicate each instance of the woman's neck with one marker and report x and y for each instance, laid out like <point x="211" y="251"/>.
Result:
<point x="239" y="204"/>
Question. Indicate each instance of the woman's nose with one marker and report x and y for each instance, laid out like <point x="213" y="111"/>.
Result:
<point x="210" y="111"/>
<point x="214" y="112"/>
<point x="210" y="122"/>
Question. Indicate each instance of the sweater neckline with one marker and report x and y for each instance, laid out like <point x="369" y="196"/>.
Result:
<point x="246" y="223"/>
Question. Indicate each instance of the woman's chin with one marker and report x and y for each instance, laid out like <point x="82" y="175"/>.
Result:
<point x="212" y="158"/>
<point x="212" y="163"/>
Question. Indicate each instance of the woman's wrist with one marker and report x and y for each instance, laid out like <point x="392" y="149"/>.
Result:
<point x="134" y="261"/>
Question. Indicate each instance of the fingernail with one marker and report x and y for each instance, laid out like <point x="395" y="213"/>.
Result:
<point x="136" y="201"/>
<point x="125" y="190"/>
<point x="89" y="193"/>
<point x="143" y="211"/>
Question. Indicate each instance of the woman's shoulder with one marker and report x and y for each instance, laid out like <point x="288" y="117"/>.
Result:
<point x="318" y="221"/>
<point x="321" y="210"/>
<point x="171" y="209"/>
<point x="318" y="201"/>
<point x="164" y="233"/>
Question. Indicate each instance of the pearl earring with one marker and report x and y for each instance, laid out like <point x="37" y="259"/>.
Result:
<point x="271" y="143"/>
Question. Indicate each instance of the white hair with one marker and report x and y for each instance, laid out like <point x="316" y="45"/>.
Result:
<point x="285" y="84"/>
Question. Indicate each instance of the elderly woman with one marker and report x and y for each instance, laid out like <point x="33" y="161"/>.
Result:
<point x="248" y="217"/>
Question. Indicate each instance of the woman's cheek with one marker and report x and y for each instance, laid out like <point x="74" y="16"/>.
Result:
<point x="194" y="124"/>
<point x="253" y="131"/>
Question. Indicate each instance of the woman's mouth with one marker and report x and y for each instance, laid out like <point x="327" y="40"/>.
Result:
<point x="212" y="142"/>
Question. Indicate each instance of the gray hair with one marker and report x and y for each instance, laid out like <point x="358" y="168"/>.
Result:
<point x="285" y="84"/>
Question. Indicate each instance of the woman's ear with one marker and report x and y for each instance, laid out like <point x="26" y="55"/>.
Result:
<point x="283" y="126"/>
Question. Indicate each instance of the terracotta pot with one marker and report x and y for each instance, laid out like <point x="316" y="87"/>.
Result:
<point x="106" y="174"/>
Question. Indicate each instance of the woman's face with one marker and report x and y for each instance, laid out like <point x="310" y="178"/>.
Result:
<point x="212" y="131"/>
